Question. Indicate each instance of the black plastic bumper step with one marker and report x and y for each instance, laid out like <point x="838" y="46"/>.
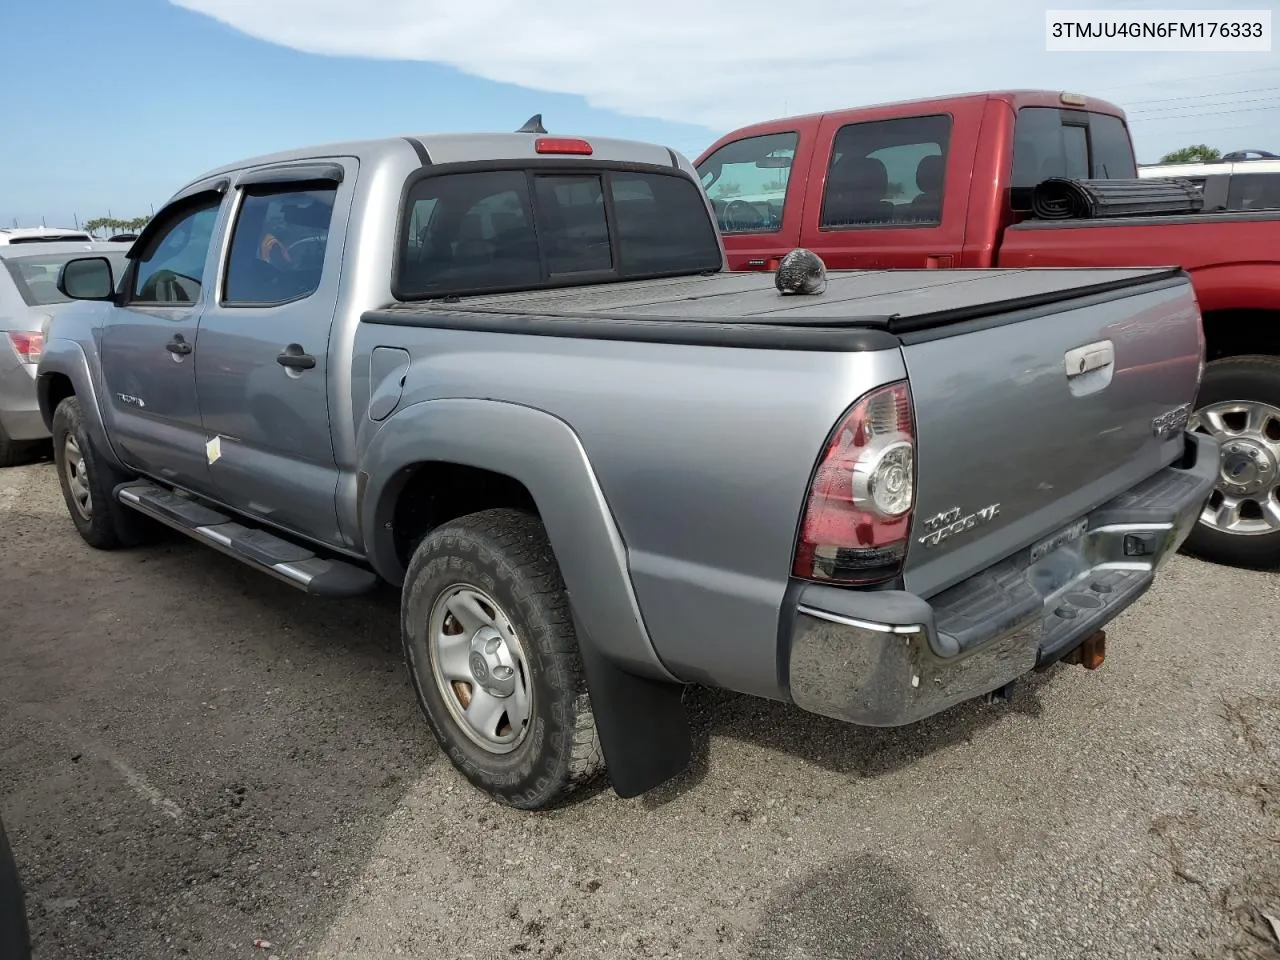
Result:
<point x="288" y="561"/>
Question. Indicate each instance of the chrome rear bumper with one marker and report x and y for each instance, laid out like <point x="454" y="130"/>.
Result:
<point x="887" y="658"/>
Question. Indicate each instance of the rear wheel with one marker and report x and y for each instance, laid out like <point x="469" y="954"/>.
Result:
<point x="88" y="484"/>
<point x="491" y="649"/>
<point x="1239" y="403"/>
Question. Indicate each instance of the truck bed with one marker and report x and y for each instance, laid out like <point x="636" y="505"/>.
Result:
<point x="745" y="309"/>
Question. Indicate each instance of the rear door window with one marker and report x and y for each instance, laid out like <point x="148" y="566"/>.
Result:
<point x="485" y="232"/>
<point x="887" y="173"/>
<point x="1049" y="142"/>
<point x="278" y="247"/>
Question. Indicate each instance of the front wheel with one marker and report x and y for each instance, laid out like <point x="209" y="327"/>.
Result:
<point x="1239" y="403"/>
<point x="491" y="649"/>
<point x="88" y="485"/>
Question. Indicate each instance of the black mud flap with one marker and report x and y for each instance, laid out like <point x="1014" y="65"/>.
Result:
<point x="643" y="725"/>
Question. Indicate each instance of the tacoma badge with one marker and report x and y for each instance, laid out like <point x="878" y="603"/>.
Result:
<point x="948" y="523"/>
<point x="1172" y="422"/>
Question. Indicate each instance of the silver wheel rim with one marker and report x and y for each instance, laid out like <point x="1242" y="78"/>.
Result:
<point x="77" y="477"/>
<point x="1246" y="499"/>
<point x="480" y="668"/>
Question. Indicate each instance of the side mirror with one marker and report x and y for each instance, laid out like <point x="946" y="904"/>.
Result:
<point x="87" y="278"/>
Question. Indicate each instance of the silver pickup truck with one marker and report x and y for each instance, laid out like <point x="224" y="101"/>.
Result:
<point x="510" y="375"/>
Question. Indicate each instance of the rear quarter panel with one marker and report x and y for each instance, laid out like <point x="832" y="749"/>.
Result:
<point x="703" y="454"/>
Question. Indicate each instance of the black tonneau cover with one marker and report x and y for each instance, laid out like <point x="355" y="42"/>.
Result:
<point x="874" y="307"/>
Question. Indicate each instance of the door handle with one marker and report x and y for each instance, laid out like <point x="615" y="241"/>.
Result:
<point x="292" y="358"/>
<point x="178" y="346"/>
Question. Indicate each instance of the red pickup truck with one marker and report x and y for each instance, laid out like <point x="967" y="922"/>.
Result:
<point x="947" y="183"/>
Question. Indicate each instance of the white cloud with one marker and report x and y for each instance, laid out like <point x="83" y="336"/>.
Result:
<point x="722" y="64"/>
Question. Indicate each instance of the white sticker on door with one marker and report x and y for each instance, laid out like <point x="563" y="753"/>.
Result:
<point x="213" y="449"/>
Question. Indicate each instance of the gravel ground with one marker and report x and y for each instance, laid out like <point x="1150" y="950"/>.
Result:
<point x="194" y="757"/>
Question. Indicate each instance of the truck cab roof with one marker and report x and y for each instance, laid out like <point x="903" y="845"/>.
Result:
<point x="442" y="148"/>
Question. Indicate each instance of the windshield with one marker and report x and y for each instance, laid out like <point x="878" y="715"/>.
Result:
<point x="499" y="230"/>
<point x="1050" y="142"/>
<point x="36" y="276"/>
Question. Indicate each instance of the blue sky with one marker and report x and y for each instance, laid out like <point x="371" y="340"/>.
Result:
<point x="131" y="98"/>
<point x="128" y="99"/>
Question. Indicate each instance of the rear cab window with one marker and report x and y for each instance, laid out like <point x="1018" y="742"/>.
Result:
<point x="1054" y="142"/>
<point x="518" y="229"/>
<point x="747" y="182"/>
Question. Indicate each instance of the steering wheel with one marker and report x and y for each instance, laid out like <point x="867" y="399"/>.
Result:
<point x="735" y="221"/>
<point x="298" y="244"/>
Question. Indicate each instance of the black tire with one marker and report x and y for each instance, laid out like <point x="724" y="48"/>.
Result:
<point x="506" y="554"/>
<point x="15" y="936"/>
<point x="1255" y="378"/>
<point x="109" y="524"/>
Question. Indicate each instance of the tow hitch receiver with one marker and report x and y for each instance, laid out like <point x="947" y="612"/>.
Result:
<point x="1091" y="652"/>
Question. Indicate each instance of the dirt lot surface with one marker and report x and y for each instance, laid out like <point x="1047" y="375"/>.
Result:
<point x="194" y="757"/>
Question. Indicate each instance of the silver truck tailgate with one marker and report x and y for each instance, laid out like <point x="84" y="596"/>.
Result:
<point x="1025" y="423"/>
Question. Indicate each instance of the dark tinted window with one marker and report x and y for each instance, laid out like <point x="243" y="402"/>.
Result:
<point x="278" y="246"/>
<point x="662" y="225"/>
<point x="478" y="232"/>
<point x="887" y="173"/>
<point x="1253" y="191"/>
<point x="747" y="182"/>
<point x="572" y="225"/>
<point x="171" y="269"/>
<point x="1048" y="142"/>
<point x="1111" y="153"/>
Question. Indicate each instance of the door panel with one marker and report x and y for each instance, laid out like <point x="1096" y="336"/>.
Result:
<point x="148" y="347"/>
<point x="263" y="363"/>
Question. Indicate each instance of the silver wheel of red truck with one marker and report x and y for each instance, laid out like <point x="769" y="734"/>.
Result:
<point x="492" y="653"/>
<point x="1239" y="404"/>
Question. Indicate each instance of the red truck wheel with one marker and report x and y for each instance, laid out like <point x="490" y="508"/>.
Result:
<point x="1239" y="403"/>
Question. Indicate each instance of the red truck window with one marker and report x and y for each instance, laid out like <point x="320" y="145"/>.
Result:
<point x="747" y="181"/>
<point x="1049" y="142"/>
<point x="887" y="172"/>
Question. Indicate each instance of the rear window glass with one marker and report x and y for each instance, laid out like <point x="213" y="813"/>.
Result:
<point x="1048" y="142"/>
<point x="36" y="277"/>
<point x="468" y="233"/>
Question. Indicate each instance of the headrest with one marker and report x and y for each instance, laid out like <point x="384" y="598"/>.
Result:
<point x="862" y="175"/>
<point x="930" y="173"/>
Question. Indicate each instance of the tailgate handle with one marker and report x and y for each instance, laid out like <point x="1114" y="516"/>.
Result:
<point x="1091" y="357"/>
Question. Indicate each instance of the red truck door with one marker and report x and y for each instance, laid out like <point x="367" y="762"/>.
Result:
<point x="890" y="190"/>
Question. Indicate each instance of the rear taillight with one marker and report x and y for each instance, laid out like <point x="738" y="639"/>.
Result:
<point x="28" y="346"/>
<point x="858" y="514"/>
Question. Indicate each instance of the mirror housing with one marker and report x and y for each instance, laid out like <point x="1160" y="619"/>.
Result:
<point x="774" y="163"/>
<point x="87" y="278"/>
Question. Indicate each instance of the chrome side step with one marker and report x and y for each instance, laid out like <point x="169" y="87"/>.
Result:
<point x="296" y="565"/>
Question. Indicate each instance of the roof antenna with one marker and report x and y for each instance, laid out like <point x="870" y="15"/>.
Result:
<point x="533" y="125"/>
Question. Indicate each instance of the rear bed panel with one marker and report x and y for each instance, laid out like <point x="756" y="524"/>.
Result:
<point x="1010" y="450"/>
